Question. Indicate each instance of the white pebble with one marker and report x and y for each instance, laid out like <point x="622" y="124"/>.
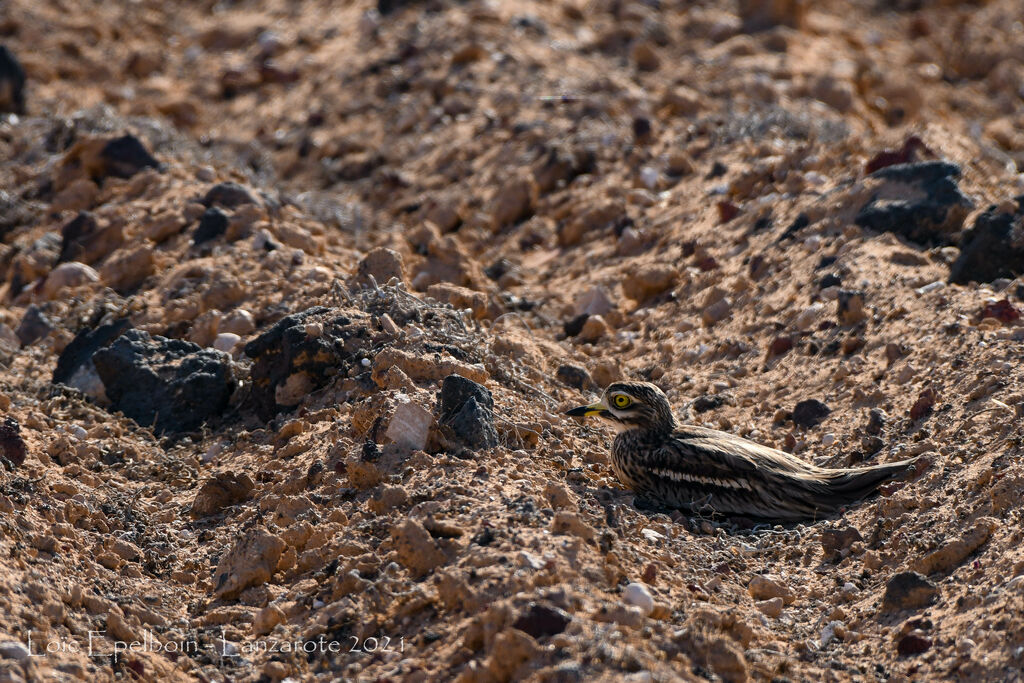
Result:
<point x="828" y="633"/>
<point x="649" y="177"/>
<point x="636" y="594"/>
<point x="212" y="452"/>
<point x="828" y="439"/>
<point x="226" y="341"/>
<point x="931" y="287"/>
<point x="815" y="178"/>
<point x="808" y="316"/>
<point x="528" y="560"/>
<point x="366" y="362"/>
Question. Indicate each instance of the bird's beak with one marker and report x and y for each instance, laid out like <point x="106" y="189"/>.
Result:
<point x="586" y="411"/>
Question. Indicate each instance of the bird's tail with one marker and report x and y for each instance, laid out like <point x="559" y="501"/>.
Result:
<point x="850" y="485"/>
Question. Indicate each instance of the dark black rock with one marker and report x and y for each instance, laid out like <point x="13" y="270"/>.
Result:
<point x="871" y="444"/>
<point x="169" y="384"/>
<point x="718" y="169"/>
<point x="540" y="620"/>
<point x="835" y="541"/>
<point x="763" y="223"/>
<point x="925" y="172"/>
<point x="511" y="302"/>
<point x="456" y="390"/>
<point x="560" y="164"/>
<point x="703" y="404"/>
<point x="82" y="239"/>
<point x="288" y="348"/>
<point x="921" y="201"/>
<point x="73" y="233"/>
<point x="12" y="447"/>
<point x="12" y="83"/>
<point x="212" y="224"/>
<point x="830" y="280"/>
<point x="228" y="195"/>
<point x="125" y="156"/>
<point x="497" y="269"/>
<point x="992" y="248"/>
<point x="484" y="537"/>
<point x="386" y="7"/>
<point x="575" y="325"/>
<point x="34" y="326"/>
<point x="876" y="421"/>
<point x="370" y="452"/>
<point x="467" y="408"/>
<point x="799" y="223"/>
<point x="573" y="376"/>
<point x="641" y="129"/>
<point x="81" y="349"/>
<point x="908" y="590"/>
<point x="809" y="413"/>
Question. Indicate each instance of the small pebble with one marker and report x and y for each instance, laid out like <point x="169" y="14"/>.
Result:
<point x="965" y="645"/>
<point x="931" y="287"/>
<point x="649" y="177"/>
<point x="226" y="341"/>
<point x="636" y="594"/>
<point x="829" y="632"/>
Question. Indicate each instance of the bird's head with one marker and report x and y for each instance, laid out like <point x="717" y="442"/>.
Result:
<point x="633" y="405"/>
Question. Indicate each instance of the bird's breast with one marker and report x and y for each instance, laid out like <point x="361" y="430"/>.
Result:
<point x="628" y="459"/>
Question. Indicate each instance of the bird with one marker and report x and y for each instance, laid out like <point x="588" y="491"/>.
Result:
<point x="697" y="469"/>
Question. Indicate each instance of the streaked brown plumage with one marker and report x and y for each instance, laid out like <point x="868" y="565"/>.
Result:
<point x="701" y="469"/>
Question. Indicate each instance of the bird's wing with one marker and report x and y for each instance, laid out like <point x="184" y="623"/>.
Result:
<point x="738" y="454"/>
<point x="741" y="476"/>
<point x="750" y="479"/>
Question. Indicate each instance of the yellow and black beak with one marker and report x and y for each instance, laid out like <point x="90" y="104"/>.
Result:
<point x="586" y="411"/>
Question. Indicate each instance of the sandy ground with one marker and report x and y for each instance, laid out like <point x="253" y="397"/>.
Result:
<point x="540" y="197"/>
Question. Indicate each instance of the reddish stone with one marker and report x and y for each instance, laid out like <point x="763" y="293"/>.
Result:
<point x="913" y="644"/>
<point x="707" y="263"/>
<point x="1001" y="310"/>
<point x="727" y="211"/>
<point x="924" y="404"/>
<point x="904" y="155"/>
<point x="780" y="345"/>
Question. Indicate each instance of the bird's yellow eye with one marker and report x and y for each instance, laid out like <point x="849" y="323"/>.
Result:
<point x="621" y="401"/>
